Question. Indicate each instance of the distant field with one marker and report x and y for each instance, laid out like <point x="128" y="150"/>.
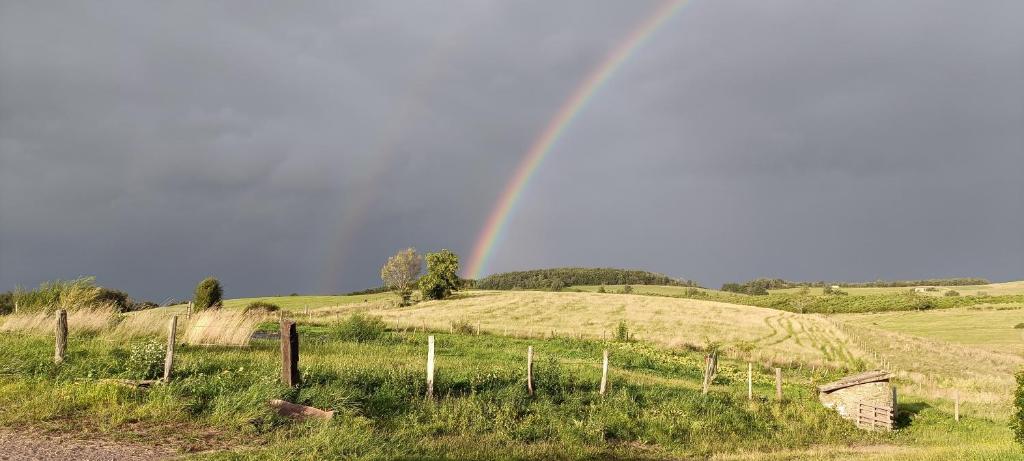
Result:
<point x="993" y="289"/>
<point x="986" y="328"/>
<point x="299" y="303"/>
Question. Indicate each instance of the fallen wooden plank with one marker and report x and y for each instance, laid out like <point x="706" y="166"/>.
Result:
<point x="300" y="412"/>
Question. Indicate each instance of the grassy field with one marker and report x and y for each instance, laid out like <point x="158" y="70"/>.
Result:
<point x="993" y="289"/>
<point x="655" y="411"/>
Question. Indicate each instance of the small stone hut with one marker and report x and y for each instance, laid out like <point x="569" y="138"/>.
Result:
<point x="868" y="399"/>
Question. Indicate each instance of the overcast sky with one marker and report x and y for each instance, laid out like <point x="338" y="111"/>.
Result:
<point x="293" y="146"/>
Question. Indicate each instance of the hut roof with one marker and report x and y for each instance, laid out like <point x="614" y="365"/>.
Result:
<point x="853" y="380"/>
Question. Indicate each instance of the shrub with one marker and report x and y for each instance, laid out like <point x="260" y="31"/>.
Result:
<point x="262" y="306"/>
<point x="6" y="302"/>
<point x="360" y="328"/>
<point x="463" y="326"/>
<point x="952" y="293"/>
<point x="208" y="294"/>
<point x="627" y="289"/>
<point x="622" y="331"/>
<point x="925" y="304"/>
<point x="144" y="360"/>
<point x="601" y="289"/>
<point x="557" y="285"/>
<point x="442" y="275"/>
<point x="1019" y="325"/>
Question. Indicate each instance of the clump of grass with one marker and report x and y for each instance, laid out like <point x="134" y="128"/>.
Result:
<point x="261" y="306"/>
<point x="360" y="328"/>
<point x="951" y="293"/>
<point x="91" y="320"/>
<point x="1019" y="325"/>
<point x="222" y="327"/>
<point x="622" y="331"/>
<point x="463" y="326"/>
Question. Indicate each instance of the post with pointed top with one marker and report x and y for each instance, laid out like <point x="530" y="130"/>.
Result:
<point x="604" y="373"/>
<point x="172" y="331"/>
<point x="529" y="369"/>
<point x="61" y="345"/>
<point x="430" y="366"/>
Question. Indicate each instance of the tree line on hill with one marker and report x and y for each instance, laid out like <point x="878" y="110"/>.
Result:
<point x="761" y="286"/>
<point x="563" y="277"/>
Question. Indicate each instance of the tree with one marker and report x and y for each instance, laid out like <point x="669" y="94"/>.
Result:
<point x="400" y="273"/>
<point x="442" y="275"/>
<point x="208" y="294"/>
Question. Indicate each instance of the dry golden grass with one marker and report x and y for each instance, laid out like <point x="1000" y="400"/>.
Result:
<point x="79" y="321"/>
<point x="221" y="327"/>
<point x="762" y="334"/>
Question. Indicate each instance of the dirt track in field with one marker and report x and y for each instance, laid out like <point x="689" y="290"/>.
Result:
<point x="19" y="446"/>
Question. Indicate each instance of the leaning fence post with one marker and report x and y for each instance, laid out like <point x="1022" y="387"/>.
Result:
<point x="750" y="381"/>
<point x="172" y="330"/>
<point x="604" y="373"/>
<point x="61" y="345"/>
<point x="430" y="366"/>
<point x="529" y="369"/>
<point x="289" y="354"/>
<point x="778" y="384"/>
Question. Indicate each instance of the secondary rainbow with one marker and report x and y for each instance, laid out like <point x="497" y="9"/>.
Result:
<point x="495" y="225"/>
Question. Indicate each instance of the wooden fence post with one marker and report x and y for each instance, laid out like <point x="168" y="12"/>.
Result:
<point x="172" y="331"/>
<point x="188" y="311"/>
<point x="778" y="384"/>
<point x="289" y="354"/>
<point x="61" y="345"/>
<point x="529" y="369"/>
<point x="478" y="328"/>
<point x="604" y="373"/>
<point x="956" y="407"/>
<point x="750" y="381"/>
<point x="430" y="366"/>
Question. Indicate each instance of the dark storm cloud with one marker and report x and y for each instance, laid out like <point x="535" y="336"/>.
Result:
<point x="153" y="144"/>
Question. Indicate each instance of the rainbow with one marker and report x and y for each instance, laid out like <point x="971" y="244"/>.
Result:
<point x="584" y="92"/>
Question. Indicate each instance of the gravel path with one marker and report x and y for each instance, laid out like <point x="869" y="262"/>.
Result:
<point x="18" y="446"/>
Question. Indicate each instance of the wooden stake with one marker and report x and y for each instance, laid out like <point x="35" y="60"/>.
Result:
<point x="430" y="366"/>
<point x="956" y="407"/>
<point x="529" y="369"/>
<point x="478" y="328"/>
<point x="604" y="373"/>
<point x="61" y="345"/>
<point x="778" y="384"/>
<point x="750" y="381"/>
<point x="172" y="331"/>
<point x="289" y="354"/>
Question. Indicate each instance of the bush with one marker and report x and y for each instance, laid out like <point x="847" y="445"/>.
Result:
<point x="208" y="294"/>
<point x="952" y="293"/>
<point x="925" y="304"/>
<point x="6" y="303"/>
<point x="144" y="360"/>
<point x="463" y="326"/>
<point x="1019" y="325"/>
<point x="627" y="289"/>
<point x="261" y="306"/>
<point x="622" y="331"/>
<point x="360" y="328"/>
<point x="557" y="285"/>
<point x="600" y="289"/>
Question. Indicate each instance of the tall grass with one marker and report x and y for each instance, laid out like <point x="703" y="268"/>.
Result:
<point x="222" y="327"/>
<point x="90" y="320"/>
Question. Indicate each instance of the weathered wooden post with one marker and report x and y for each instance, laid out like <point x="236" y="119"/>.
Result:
<point x="710" y="370"/>
<point x="289" y="354"/>
<point x="529" y="369"/>
<point x="188" y="311"/>
<point x="478" y="328"/>
<point x="750" y="381"/>
<point x="61" y="345"/>
<point x="430" y="366"/>
<point x="172" y="331"/>
<point x="604" y="373"/>
<point x="956" y="407"/>
<point x="778" y="384"/>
